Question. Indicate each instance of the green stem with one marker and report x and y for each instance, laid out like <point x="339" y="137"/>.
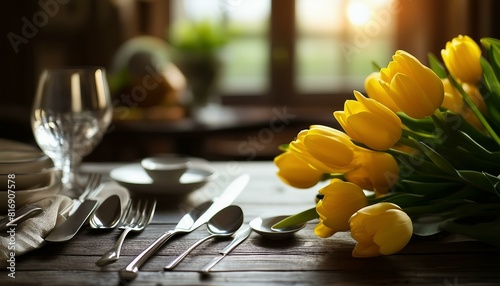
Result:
<point x="474" y="109"/>
<point x="302" y="217"/>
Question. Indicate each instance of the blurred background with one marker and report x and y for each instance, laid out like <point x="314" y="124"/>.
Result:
<point x="220" y="79"/>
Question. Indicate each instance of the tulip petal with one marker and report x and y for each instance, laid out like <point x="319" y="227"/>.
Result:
<point x="410" y="97"/>
<point x="380" y="135"/>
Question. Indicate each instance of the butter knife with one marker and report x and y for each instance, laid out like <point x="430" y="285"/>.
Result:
<point x="239" y="237"/>
<point x="188" y="223"/>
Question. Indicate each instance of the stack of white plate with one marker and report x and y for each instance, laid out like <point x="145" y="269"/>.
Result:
<point x="27" y="175"/>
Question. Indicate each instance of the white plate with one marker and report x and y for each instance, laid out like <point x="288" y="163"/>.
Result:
<point x="136" y="180"/>
<point x="23" y="161"/>
<point x="23" y="197"/>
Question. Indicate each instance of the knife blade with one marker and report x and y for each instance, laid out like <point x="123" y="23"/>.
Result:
<point x="73" y="223"/>
<point x="188" y="223"/>
<point x="239" y="237"/>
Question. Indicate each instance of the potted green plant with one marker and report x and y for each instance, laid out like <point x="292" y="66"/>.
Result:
<point x="196" y="51"/>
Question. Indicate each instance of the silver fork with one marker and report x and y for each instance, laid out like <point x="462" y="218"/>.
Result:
<point x="137" y="217"/>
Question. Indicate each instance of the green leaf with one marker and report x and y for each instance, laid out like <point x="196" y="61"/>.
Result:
<point x="492" y="100"/>
<point x="488" y="42"/>
<point x="463" y="127"/>
<point x="488" y="232"/>
<point x="428" y="188"/>
<point x="481" y="180"/>
<point x="494" y="54"/>
<point x="437" y="159"/>
<point x="427" y="225"/>
<point x="299" y="218"/>
<point x="419" y="125"/>
<point x="437" y="66"/>
<point x="376" y="67"/>
<point x="401" y="199"/>
<point x="440" y="208"/>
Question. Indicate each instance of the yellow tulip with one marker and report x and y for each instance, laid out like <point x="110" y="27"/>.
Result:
<point x="295" y="171"/>
<point x="375" y="90"/>
<point x="415" y="88"/>
<point x="326" y="149"/>
<point x="378" y="172"/>
<point x="369" y="122"/>
<point x="341" y="200"/>
<point x="380" y="229"/>
<point x="462" y="59"/>
<point x="474" y="93"/>
<point x="453" y="101"/>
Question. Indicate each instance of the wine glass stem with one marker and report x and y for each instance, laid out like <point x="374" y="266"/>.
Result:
<point x="69" y="178"/>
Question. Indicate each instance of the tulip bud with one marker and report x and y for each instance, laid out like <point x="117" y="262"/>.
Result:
<point x="462" y="59"/>
<point x="377" y="172"/>
<point x="296" y="172"/>
<point x="380" y="229"/>
<point x="326" y="149"/>
<point x="340" y="201"/>
<point x="375" y="90"/>
<point x="369" y="122"/>
<point x="415" y="88"/>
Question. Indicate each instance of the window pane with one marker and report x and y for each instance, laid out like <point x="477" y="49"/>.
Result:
<point x="337" y="41"/>
<point x="246" y="55"/>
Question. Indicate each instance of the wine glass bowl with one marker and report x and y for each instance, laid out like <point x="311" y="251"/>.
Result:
<point x="71" y="112"/>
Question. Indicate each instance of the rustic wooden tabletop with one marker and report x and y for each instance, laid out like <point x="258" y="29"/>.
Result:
<point x="304" y="260"/>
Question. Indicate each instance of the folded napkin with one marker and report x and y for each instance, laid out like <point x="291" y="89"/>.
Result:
<point x="29" y="235"/>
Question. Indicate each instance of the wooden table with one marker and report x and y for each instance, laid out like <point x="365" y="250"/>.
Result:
<point x="305" y="259"/>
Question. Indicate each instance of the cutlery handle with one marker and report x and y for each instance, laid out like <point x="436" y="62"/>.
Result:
<point x="212" y="263"/>
<point x="179" y="258"/>
<point x="113" y="254"/>
<point x="131" y="271"/>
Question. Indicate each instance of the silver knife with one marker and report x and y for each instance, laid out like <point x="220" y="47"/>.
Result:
<point x="73" y="223"/>
<point x="188" y="223"/>
<point x="239" y="237"/>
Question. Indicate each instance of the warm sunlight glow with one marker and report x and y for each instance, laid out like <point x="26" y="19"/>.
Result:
<point x="358" y="13"/>
<point x="319" y="16"/>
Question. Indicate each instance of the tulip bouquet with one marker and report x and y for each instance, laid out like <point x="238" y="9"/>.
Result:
<point x="419" y="155"/>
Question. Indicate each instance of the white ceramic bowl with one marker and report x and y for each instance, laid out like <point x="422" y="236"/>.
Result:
<point x="166" y="169"/>
<point x="23" y="161"/>
<point x="23" y="197"/>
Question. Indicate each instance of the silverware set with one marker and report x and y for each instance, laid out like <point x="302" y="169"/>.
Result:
<point x="188" y="223"/>
<point x="108" y="215"/>
<point x="221" y="217"/>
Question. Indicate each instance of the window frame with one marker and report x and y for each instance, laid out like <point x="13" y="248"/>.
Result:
<point x="419" y="42"/>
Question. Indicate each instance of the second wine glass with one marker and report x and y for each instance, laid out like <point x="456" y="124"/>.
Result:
<point x="71" y="112"/>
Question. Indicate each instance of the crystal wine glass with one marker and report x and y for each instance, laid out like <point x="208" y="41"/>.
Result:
<point x="71" y="112"/>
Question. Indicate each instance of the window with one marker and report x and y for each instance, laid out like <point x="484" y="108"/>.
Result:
<point x="336" y="43"/>
<point x="296" y="51"/>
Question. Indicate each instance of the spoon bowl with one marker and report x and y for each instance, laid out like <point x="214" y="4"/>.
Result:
<point x="108" y="214"/>
<point x="224" y="223"/>
<point x="263" y="226"/>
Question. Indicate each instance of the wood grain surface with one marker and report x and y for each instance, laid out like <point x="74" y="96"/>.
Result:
<point x="302" y="260"/>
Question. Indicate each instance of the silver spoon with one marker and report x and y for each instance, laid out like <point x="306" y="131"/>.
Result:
<point x="224" y="223"/>
<point x="263" y="226"/>
<point x="108" y="214"/>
